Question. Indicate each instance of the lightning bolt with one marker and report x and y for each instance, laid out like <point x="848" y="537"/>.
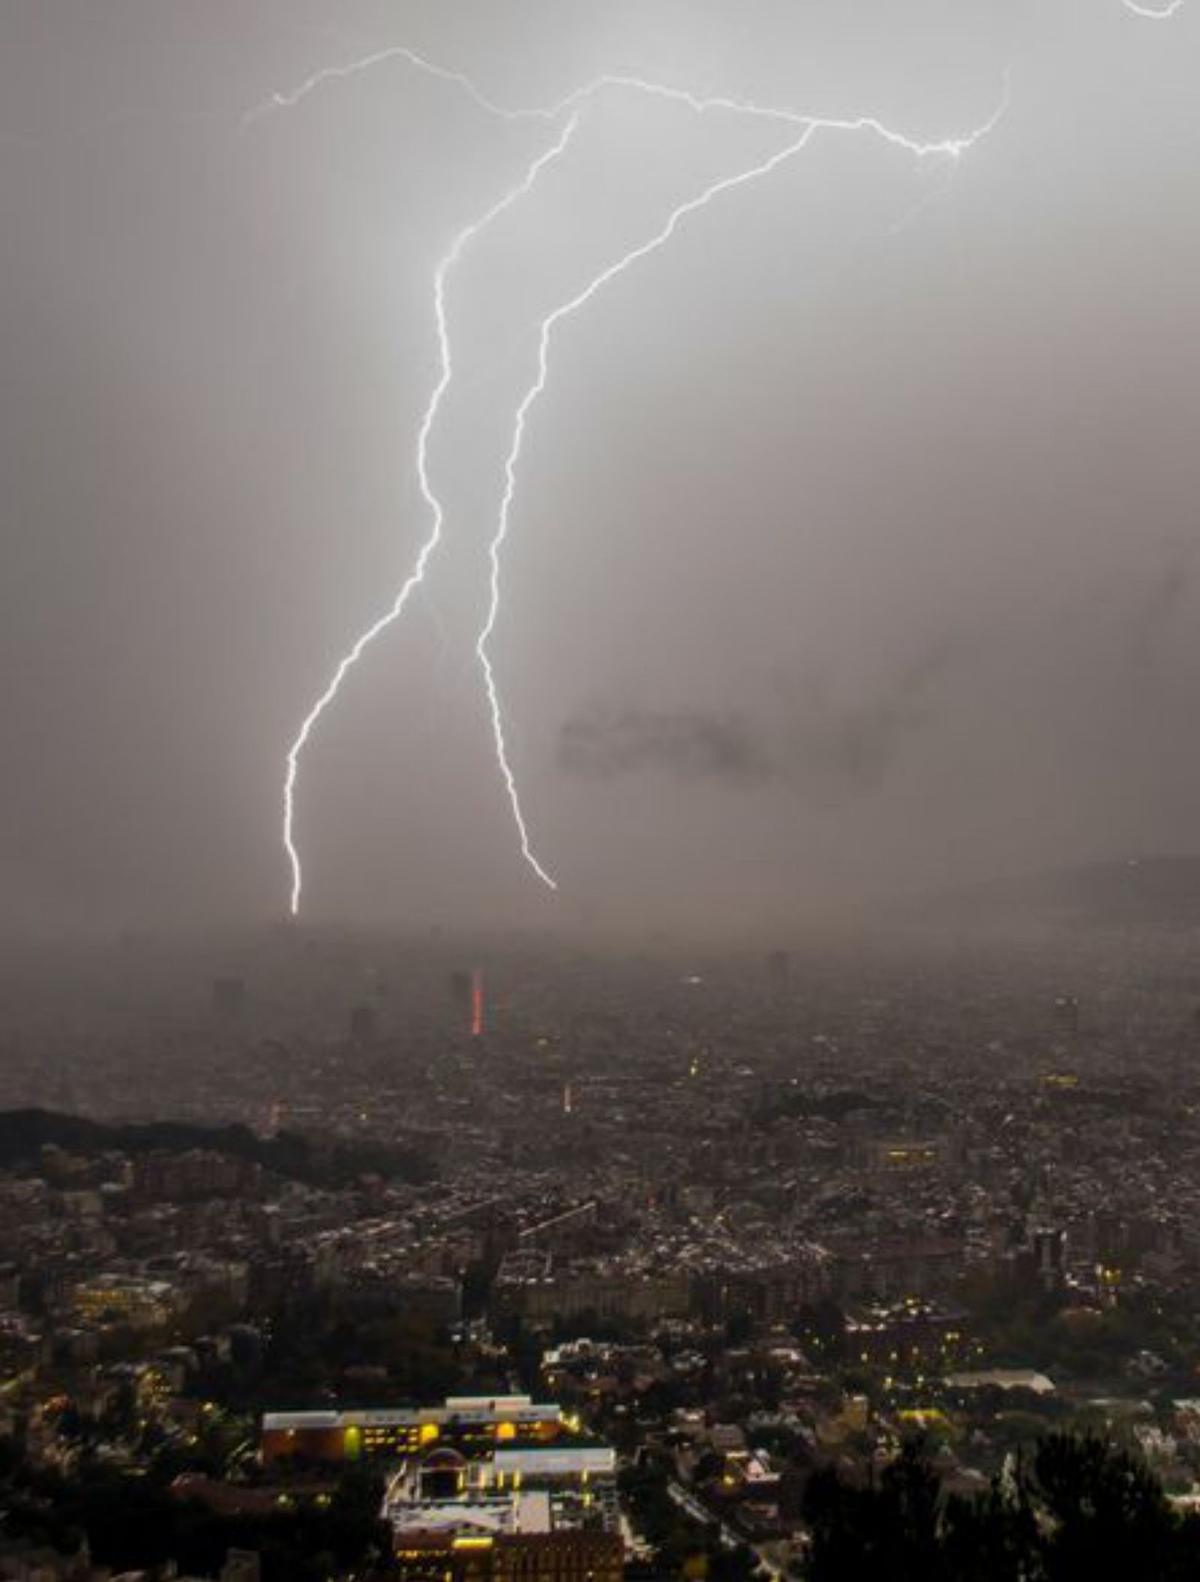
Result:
<point x="569" y="106"/>
<point x="446" y="366"/>
<point x="953" y="148"/>
<point x="289" y="101"/>
<point x="700" y="103"/>
<point x="1160" y="14"/>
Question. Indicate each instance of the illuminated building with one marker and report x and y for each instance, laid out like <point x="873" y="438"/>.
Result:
<point x="470" y="1424"/>
<point x="1062" y="1081"/>
<point x="519" y="1509"/>
<point x="571" y="1556"/>
<point x="479" y="1488"/>
<point x="904" y="1156"/>
<point x="1001" y="1379"/>
<point x="910" y="1335"/>
<point x="477" y="1003"/>
<point x="141" y="1304"/>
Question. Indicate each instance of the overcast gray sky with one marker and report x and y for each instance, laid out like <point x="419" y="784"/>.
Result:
<point x="855" y="545"/>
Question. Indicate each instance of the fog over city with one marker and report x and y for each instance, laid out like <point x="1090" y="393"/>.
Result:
<point x="853" y="548"/>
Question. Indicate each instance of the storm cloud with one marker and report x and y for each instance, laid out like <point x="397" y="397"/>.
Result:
<point x="865" y="401"/>
<point x="795" y="736"/>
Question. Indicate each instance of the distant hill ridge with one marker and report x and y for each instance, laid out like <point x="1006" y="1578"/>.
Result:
<point x="1155" y="892"/>
<point x="314" y="1160"/>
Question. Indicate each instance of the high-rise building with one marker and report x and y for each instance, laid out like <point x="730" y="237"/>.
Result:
<point x="477" y="1003"/>
<point x="1050" y="1255"/>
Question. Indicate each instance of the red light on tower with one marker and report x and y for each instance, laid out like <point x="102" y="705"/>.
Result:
<point x="477" y="1003"/>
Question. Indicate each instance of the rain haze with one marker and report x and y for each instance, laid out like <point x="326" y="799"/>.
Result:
<point x="853" y="548"/>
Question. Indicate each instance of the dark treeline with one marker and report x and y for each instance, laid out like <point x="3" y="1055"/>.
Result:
<point x="314" y="1160"/>
<point x="135" y="1522"/>
<point x="1077" y="1509"/>
<point x="792" y="1104"/>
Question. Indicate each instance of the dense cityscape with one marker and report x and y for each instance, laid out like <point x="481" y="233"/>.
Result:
<point x="336" y="1254"/>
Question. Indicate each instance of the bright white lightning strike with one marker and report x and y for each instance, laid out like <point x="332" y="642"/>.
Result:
<point x="809" y="125"/>
<point x="701" y="103"/>
<point x="953" y="148"/>
<point x="514" y="455"/>
<point x="351" y="658"/>
<point x="288" y="101"/>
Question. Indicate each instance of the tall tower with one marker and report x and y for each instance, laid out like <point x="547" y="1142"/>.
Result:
<point x="477" y="1003"/>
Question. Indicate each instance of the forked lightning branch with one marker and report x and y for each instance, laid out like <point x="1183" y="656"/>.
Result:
<point x="565" y="116"/>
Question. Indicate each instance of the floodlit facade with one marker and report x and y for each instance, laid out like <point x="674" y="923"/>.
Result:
<point x="469" y="1422"/>
<point x="480" y="1488"/>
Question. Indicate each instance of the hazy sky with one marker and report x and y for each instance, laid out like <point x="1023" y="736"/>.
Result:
<point x="856" y="542"/>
